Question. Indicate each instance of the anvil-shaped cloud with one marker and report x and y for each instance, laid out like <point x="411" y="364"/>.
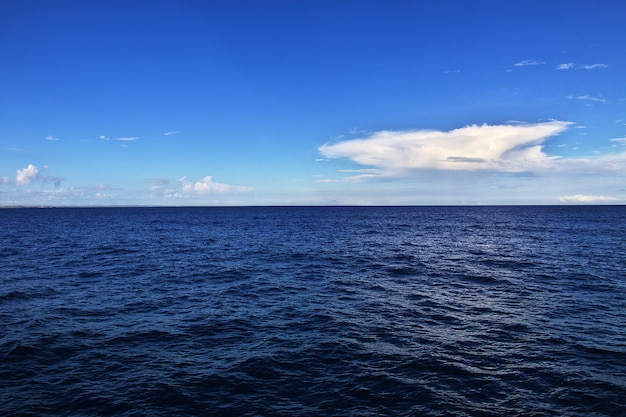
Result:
<point x="510" y="148"/>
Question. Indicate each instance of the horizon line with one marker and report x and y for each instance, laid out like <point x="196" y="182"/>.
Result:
<point x="309" y="205"/>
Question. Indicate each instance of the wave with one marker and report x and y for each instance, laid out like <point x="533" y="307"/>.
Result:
<point x="317" y="311"/>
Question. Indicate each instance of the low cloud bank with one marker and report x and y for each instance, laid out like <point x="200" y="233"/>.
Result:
<point x="580" y="198"/>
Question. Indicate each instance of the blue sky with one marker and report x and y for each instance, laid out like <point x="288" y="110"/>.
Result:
<point x="312" y="102"/>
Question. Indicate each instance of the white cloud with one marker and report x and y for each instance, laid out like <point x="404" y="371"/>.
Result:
<point x="363" y="174"/>
<point x="170" y="133"/>
<point x="27" y="175"/>
<point x="160" y="187"/>
<point x="581" y="198"/>
<point x="623" y="140"/>
<point x="609" y="164"/>
<point x="207" y="185"/>
<point x="63" y="193"/>
<point x="593" y="66"/>
<point x="32" y="174"/>
<point x="186" y="190"/>
<point x="571" y="65"/>
<point x="50" y="137"/>
<point x="123" y="139"/>
<point x="93" y="194"/>
<point x="528" y="62"/>
<point x="508" y="148"/>
<point x="567" y="66"/>
<point x="587" y="98"/>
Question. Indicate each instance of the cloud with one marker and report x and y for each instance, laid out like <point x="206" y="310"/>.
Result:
<point x="623" y="140"/>
<point x="571" y="65"/>
<point x="27" y="175"/>
<point x="507" y="148"/>
<point x="528" y="62"/>
<point x="363" y="174"/>
<point x="94" y="194"/>
<point x="170" y="133"/>
<point x="581" y="198"/>
<point x="587" y="98"/>
<point x="567" y="66"/>
<point x="207" y="185"/>
<point x="593" y="66"/>
<point x="185" y="189"/>
<point x="158" y="182"/>
<point x="32" y="174"/>
<point x="50" y="137"/>
<point x="123" y="139"/>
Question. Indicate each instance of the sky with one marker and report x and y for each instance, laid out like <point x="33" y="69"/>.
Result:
<point x="241" y="102"/>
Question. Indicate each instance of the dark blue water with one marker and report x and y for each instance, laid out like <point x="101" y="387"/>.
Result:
<point x="423" y="311"/>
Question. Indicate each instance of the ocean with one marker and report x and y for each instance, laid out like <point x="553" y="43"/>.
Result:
<point x="307" y="311"/>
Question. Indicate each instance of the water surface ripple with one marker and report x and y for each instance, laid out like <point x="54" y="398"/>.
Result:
<point x="352" y="311"/>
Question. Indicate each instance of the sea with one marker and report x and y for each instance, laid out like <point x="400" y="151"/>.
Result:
<point x="313" y="311"/>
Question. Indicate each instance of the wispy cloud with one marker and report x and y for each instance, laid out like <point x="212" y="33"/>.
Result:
<point x="123" y="139"/>
<point x="160" y="187"/>
<point x="158" y="182"/>
<point x="571" y="65"/>
<point x="98" y="194"/>
<point x="622" y="140"/>
<point x="582" y="198"/>
<point x="587" y="98"/>
<point x="528" y="62"/>
<point x="170" y="133"/>
<point x="567" y="66"/>
<point x="507" y="148"/>
<point x="50" y="137"/>
<point x="593" y="66"/>
<point x="361" y="175"/>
